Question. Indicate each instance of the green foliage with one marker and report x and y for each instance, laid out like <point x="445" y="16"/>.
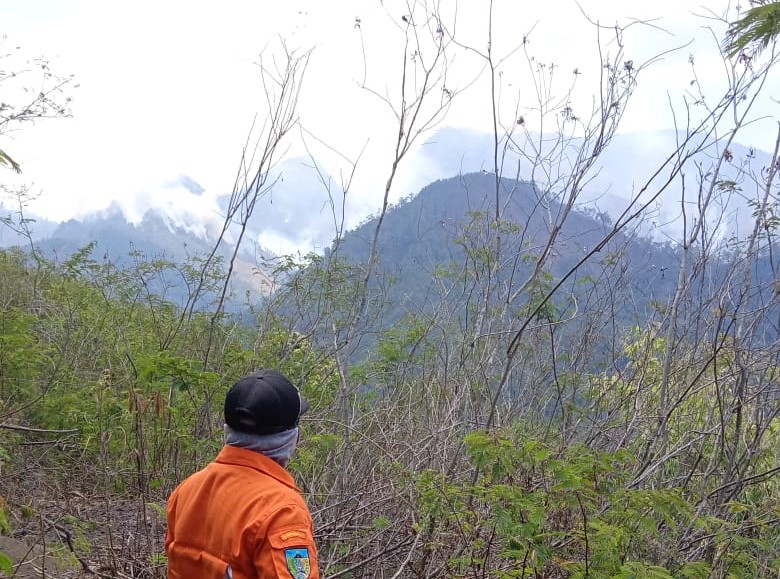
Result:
<point x="396" y="347"/>
<point x="612" y="470"/>
<point x="695" y="570"/>
<point x="21" y="355"/>
<point x="538" y="508"/>
<point x="6" y="564"/>
<point x="634" y="570"/>
<point x="160" y="371"/>
<point x="100" y="355"/>
<point x="757" y="28"/>
<point x="5" y="526"/>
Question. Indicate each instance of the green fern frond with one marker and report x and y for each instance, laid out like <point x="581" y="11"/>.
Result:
<point x="758" y="27"/>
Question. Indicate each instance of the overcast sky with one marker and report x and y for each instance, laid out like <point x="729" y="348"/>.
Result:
<point x="163" y="89"/>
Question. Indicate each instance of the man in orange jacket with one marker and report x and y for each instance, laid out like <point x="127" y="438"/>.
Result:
<point x="242" y="516"/>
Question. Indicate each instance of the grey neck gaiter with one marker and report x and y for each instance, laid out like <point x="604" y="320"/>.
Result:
<point x="278" y="447"/>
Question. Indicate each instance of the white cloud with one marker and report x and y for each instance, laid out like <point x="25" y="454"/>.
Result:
<point x="169" y="88"/>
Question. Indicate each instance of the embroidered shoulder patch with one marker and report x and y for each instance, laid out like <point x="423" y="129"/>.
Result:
<point x="298" y="563"/>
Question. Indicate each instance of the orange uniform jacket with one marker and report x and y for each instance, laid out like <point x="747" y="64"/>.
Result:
<point x="240" y="517"/>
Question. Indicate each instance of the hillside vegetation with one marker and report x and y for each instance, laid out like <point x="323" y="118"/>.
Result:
<point x="614" y="447"/>
<point x="504" y="381"/>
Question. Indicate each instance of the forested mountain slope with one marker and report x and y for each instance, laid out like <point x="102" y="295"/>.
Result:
<point x="441" y="228"/>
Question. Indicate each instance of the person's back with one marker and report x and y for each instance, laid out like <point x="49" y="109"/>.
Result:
<point x="242" y="515"/>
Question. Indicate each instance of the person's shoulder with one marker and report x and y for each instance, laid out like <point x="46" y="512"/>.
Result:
<point x="288" y="514"/>
<point x="293" y="496"/>
<point x="192" y="480"/>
